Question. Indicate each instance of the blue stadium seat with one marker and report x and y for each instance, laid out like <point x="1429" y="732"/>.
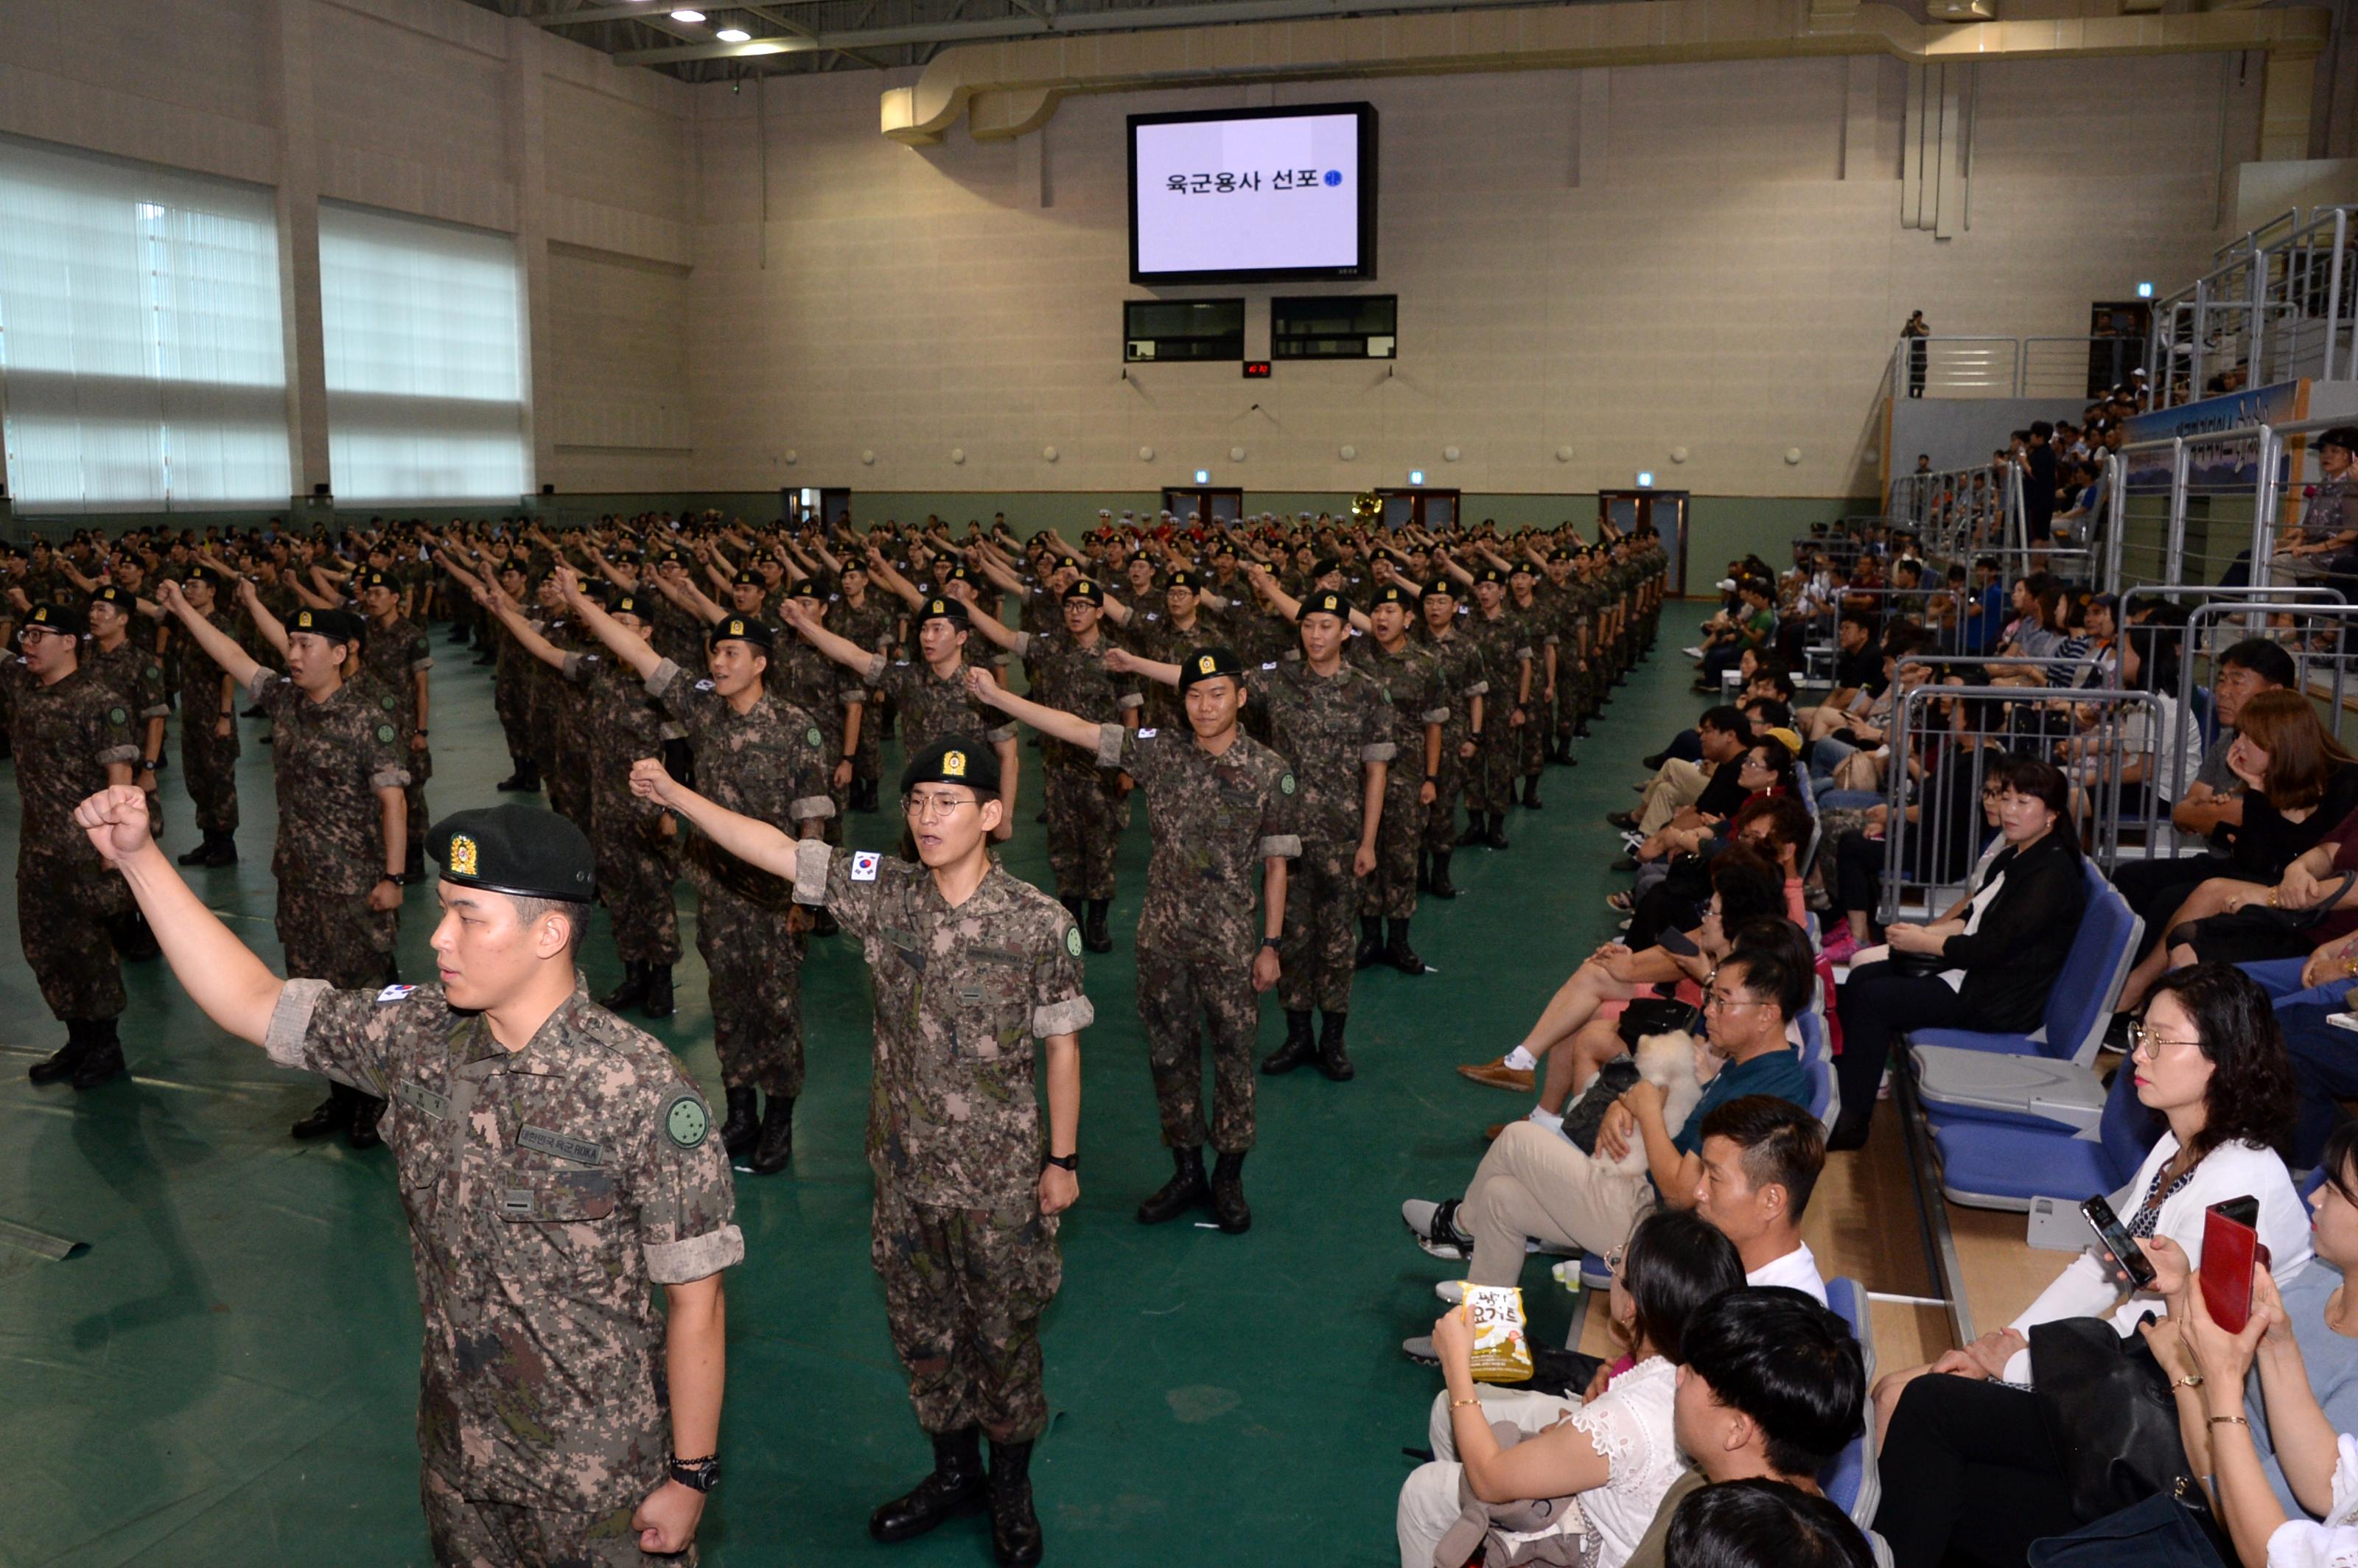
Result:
<point x="1851" y="1483"/>
<point x="2029" y="1081"/>
<point x="1989" y="1165"/>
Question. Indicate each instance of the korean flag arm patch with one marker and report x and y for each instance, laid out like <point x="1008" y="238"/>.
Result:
<point x="393" y="993"/>
<point x="864" y="865"/>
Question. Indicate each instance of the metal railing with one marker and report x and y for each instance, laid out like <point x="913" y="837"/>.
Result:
<point x="2059" y="367"/>
<point x="2313" y="625"/>
<point x="2279" y="306"/>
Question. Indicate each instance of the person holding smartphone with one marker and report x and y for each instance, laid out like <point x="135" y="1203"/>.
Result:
<point x="1968" y="1429"/>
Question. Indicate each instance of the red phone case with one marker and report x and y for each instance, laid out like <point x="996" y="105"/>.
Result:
<point x="2229" y="1251"/>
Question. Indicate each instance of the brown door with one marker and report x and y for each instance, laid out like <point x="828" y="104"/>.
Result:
<point x="1663" y="511"/>
<point x="1430" y="509"/>
<point x="1212" y="503"/>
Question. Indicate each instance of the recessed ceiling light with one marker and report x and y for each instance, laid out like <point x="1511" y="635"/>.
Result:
<point x="688" y="16"/>
<point x="734" y="36"/>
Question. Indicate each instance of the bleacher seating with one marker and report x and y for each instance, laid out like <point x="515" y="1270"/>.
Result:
<point x="1851" y="1483"/>
<point x="2001" y="1165"/>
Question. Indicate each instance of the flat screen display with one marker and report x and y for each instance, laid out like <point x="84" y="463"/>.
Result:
<point x="1247" y="195"/>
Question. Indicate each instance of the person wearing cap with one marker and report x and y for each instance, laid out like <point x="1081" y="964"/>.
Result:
<point x="70" y="734"/>
<point x="930" y="695"/>
<point x="1332" y="723"/>
<point x="556" y="1166"/>
<point x="1507" y="658"/>
<point x="632" y="842"/>
<point x="1221" y="810"/>
<point x="1410" y="679"/>
<point x="1167" y="633"/>
<point x="512" y="667"/>
<point x="968" y="966"/>
<point x="868" y="619"/>
<point x="1535" y="628"/>
<point x="209" y="738"/>
<point x="1570" y="607"/>
<point x="395" y="658"/>
<point x="1465" y="682"/>
<point x="132" y="672"/>
<point x="758" y="754"/>
<point x="342" y="819"/>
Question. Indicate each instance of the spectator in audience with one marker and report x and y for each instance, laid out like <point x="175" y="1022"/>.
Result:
<point x="1771" y="1389"/>
<point x="2039" y="484"/>
<point x="1763" y="1524"/>
<point x="1610" y="1460"/>
<point x="2298" y="783"/>
<point x="1763" y="772"/>
<point x="2149" y="749"/>
<point x="1534" y="1185"/>
<point x="1755" y="632"/>
<point x="1721" y="734"/>
<point x="2002" y="945"/>
<point x="1966" y="1429"/>
<point x="2306" y="1386"/>
<point x="1915" y="332"/>
<point x="1937" y="854"/>
<point x="1760" y="1158"/>
<point x="1668" y="895"/>
<point x="1986" y="610"/>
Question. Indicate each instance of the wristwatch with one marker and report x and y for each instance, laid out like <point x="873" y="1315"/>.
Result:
<point x="1272" y="942"/>
<point x="1071" y="1161"/>
<point x="697" y="1475"/>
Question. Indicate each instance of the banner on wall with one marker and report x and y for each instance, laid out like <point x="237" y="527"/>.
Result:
<point x="2215" y="464"/>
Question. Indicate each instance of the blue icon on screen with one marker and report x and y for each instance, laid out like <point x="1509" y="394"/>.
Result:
<point x="1334" y="177"/>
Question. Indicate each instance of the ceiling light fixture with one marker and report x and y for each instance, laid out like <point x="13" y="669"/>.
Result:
<point x="688" y="16"/>
<point x="734" y="36"/>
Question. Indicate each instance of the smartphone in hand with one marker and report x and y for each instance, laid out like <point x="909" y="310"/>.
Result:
<point x="2231" y="1252"/>
<point x="2127" y="1256"/>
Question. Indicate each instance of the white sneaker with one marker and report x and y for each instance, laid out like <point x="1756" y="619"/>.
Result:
<point x="1418" y="1214"/>
<point x="1420" y="1349"/>
<point x="1450" y="1291"/>
<point x="1693" y="653"/>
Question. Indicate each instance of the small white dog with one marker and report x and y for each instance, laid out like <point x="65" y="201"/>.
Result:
<point x="1679" y="1064"/>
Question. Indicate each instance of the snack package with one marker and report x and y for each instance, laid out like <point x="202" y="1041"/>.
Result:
<point x="1502" y="1351"/>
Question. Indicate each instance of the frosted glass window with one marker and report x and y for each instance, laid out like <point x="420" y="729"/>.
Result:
<point x="142" y="364"/>
<point x="424" y="327"/>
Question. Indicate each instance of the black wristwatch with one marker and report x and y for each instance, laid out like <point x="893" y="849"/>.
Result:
<point x="1071" y="1161"/>
<point x="1272" y="942"/>
<point x="697" y="1475"/>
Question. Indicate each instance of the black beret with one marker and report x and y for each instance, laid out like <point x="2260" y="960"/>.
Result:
<point x="518" y="849"/>
<point x="1085" y="589"/>
<point x="1206" y="663"/>
<point x="623" y="604"/>
<point x="57" y="618"/>
<point x="335" y="625"/>
<point x="744" y="628"/>
<point x="1325" y="601"/>
<point x="1323" y="565"/>
<point x="806" y="589"/>
<point x="1187" y="580"/>
<point x="1488" y="574"/>
<point x="941" y="608"/>
<point x="957" y="759"/>
<point x="122" y="599"/>
<point x="1439" y="587"/>
<point x="1391" y="593"/>
<point x="748" y="579"/>
<point x="379" y="579"/>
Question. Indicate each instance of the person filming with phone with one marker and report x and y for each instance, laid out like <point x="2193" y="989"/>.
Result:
<point x="1968" y="1429"/>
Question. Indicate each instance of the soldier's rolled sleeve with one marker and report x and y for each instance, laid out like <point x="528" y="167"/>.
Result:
<point x="663" y="681"/>
<point x="319" y="1028"/>
<point x="421" y="656"/>
<point x="1479" y="688"/>
<point x="1281" y="846"/>
<point x="1380" y="752"/>
<point x="686" y="1203"/>
<point x="576" y="667"/>
<point x="697" y="1258"/>
<point x="1059" y="1004"/>
<point x="389" y="778"/>
<point x="258" y="683"/>
<point x="1001" y="735"/>
<point x="1128" y="700"/>
<point x="811" y="808"/>
<point x="1024" y="640"/>
<point x="1523" y="652"/>
<point x="812" y="859"/>
<point x="874" y="673"/>
<point x="1433" y="715"/>
<point x="1109" y="744"/>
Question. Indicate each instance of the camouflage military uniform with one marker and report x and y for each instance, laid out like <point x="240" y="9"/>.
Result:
<point x="63" y="737"/>
<point x="391" y="658"/>
<point x="1490" y="773"/>
<point x="208" y="761"/>
<point x="136" y="677"/>
<point x="806" y="678"/>
<point x="1214" y="820"/>
<point x="549" y="1190"/>
<point x="635" y="864"/>
<point x="932" y="709"/>
<point x="1329" y="727"/>
<point x="1412" y="680"/>
<point x="871" y="624"/>
<point x="955" y="1135"/>
<point x="331" y="759"/>
<point x="1084" y="801"/>
<point x="1534" y="628"/>
<point x="1458" y="660"/>
<point x="512" y="693"/>
<point x="769" y="764"/>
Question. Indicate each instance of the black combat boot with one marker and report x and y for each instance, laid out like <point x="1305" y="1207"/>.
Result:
<point x="632" y="992"/>
<point x="1094" y="934"/>
<point x="134" y="941"/>
<point x="1229" y="1205"/>
<point x="59" y="1065"/>
<point x="517" y="780"/>
<point x="742" y="1124"/>
<point x="823" y="923"/>
<point x="1371" y="943"/>
<point x="775" y="1144"/>
<point x="221" y="850"/>
<point x="1476" y="833"/>
<point x="956" y="1486"/>
<point x="1496" y="836"/>
<point x="101" y="1056"/>
<point x="1298" y="1049"/>
<point x="1184" y="1190"/>
<point x="1396" y="952"/>
<point x="1424" y="871"/>
<point x="659" y="1001"/>
<point x="1014" y="1528"/>
<point x="195" y="857"/>
<point x="1333" y="1059"/>
<point x="367" y="1111"/>
<point x="330" y="1116"/>
<point x="1442" y="886"/>
<point x="1531" y="792"/>
<point x="1072" y="903"/>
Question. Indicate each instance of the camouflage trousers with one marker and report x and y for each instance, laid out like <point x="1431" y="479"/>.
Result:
<point x="467" y="1532"/>
<point x="1531" y="740"/>
<point x="62" y="913"/>
<point x="421" y="768"/>
<point x="1490" y="772"/>
<point x="335" y="936"/>
<point x="1317" y="954"/>
<point x="1084" y="829"/>
<point x="567" y="775"/>
<point x="964" y="1289"/>
<point x="636" y="869"/>
<point x="209" y="773"/>
<point x="1175" y="991"/>
<point x="1390" y="889"/>
<point x="1441" y="818"/>
<point x="867" y="758"/>
<point x="513" y="703"/>
<point x="755" y="965"/>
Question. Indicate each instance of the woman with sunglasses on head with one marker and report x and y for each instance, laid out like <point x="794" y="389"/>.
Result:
<point x="1966" y="1431"/>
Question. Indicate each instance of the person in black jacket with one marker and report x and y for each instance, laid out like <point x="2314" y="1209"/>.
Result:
<point x="2001" y="948"/>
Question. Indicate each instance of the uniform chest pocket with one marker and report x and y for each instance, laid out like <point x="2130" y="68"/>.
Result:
<point x="553" y="1197"/>
<point x="993" y="1004"/>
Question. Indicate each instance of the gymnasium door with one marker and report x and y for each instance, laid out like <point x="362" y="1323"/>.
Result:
<point x="1664" y="511"/>
<point x="1213" y="505"/>
<point x="1430" y="509"/>
<point x="827" y="507"/>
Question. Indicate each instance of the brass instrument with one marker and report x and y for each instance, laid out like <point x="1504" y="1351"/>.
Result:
<point x="1366" y="507"/>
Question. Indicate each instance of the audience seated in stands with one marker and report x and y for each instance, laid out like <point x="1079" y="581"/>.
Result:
<point x="1763" y="1524"/>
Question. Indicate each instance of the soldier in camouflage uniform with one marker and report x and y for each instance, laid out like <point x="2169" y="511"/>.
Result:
<point x="134" y="674"/>
<point x="1534" y="629"/>
<point x="556" y="1165"/>
<point x="867" y="619"/>
<point x="761" y="756"/>
<point x="1332" y="723"/>
<point x="1464" y="684"/>
<point x="71" y="735"/>
<point x="969" y="967"/>
<point x="1411" y="676"/>
<point x="208" y="742"/>
<point x="395" y="656"/>
<point x="1506" y="659"/>
<point x="1221" y="806"/>
<point x="818" y="686"/>
<point x="342" y="819"/>
<point x="633" y="841"/>
<point x="1084" y="800"/>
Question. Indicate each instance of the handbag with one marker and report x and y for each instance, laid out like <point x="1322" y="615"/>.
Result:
<point x="1658" y="1015"/>
<point x="2168" y="1529"/>
<point x="1918" y="965"/>
<point x="2108" y="1409"/>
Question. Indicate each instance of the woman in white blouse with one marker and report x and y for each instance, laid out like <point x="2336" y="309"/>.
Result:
<point x="1607" y="1462"/>
<point x="2208" y="1059"/>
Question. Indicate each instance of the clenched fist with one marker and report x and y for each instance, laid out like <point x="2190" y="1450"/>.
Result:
<point x="116" y="820"/>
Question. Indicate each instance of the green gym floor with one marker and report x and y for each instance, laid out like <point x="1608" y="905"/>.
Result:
<point x="228" y="1373"/>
